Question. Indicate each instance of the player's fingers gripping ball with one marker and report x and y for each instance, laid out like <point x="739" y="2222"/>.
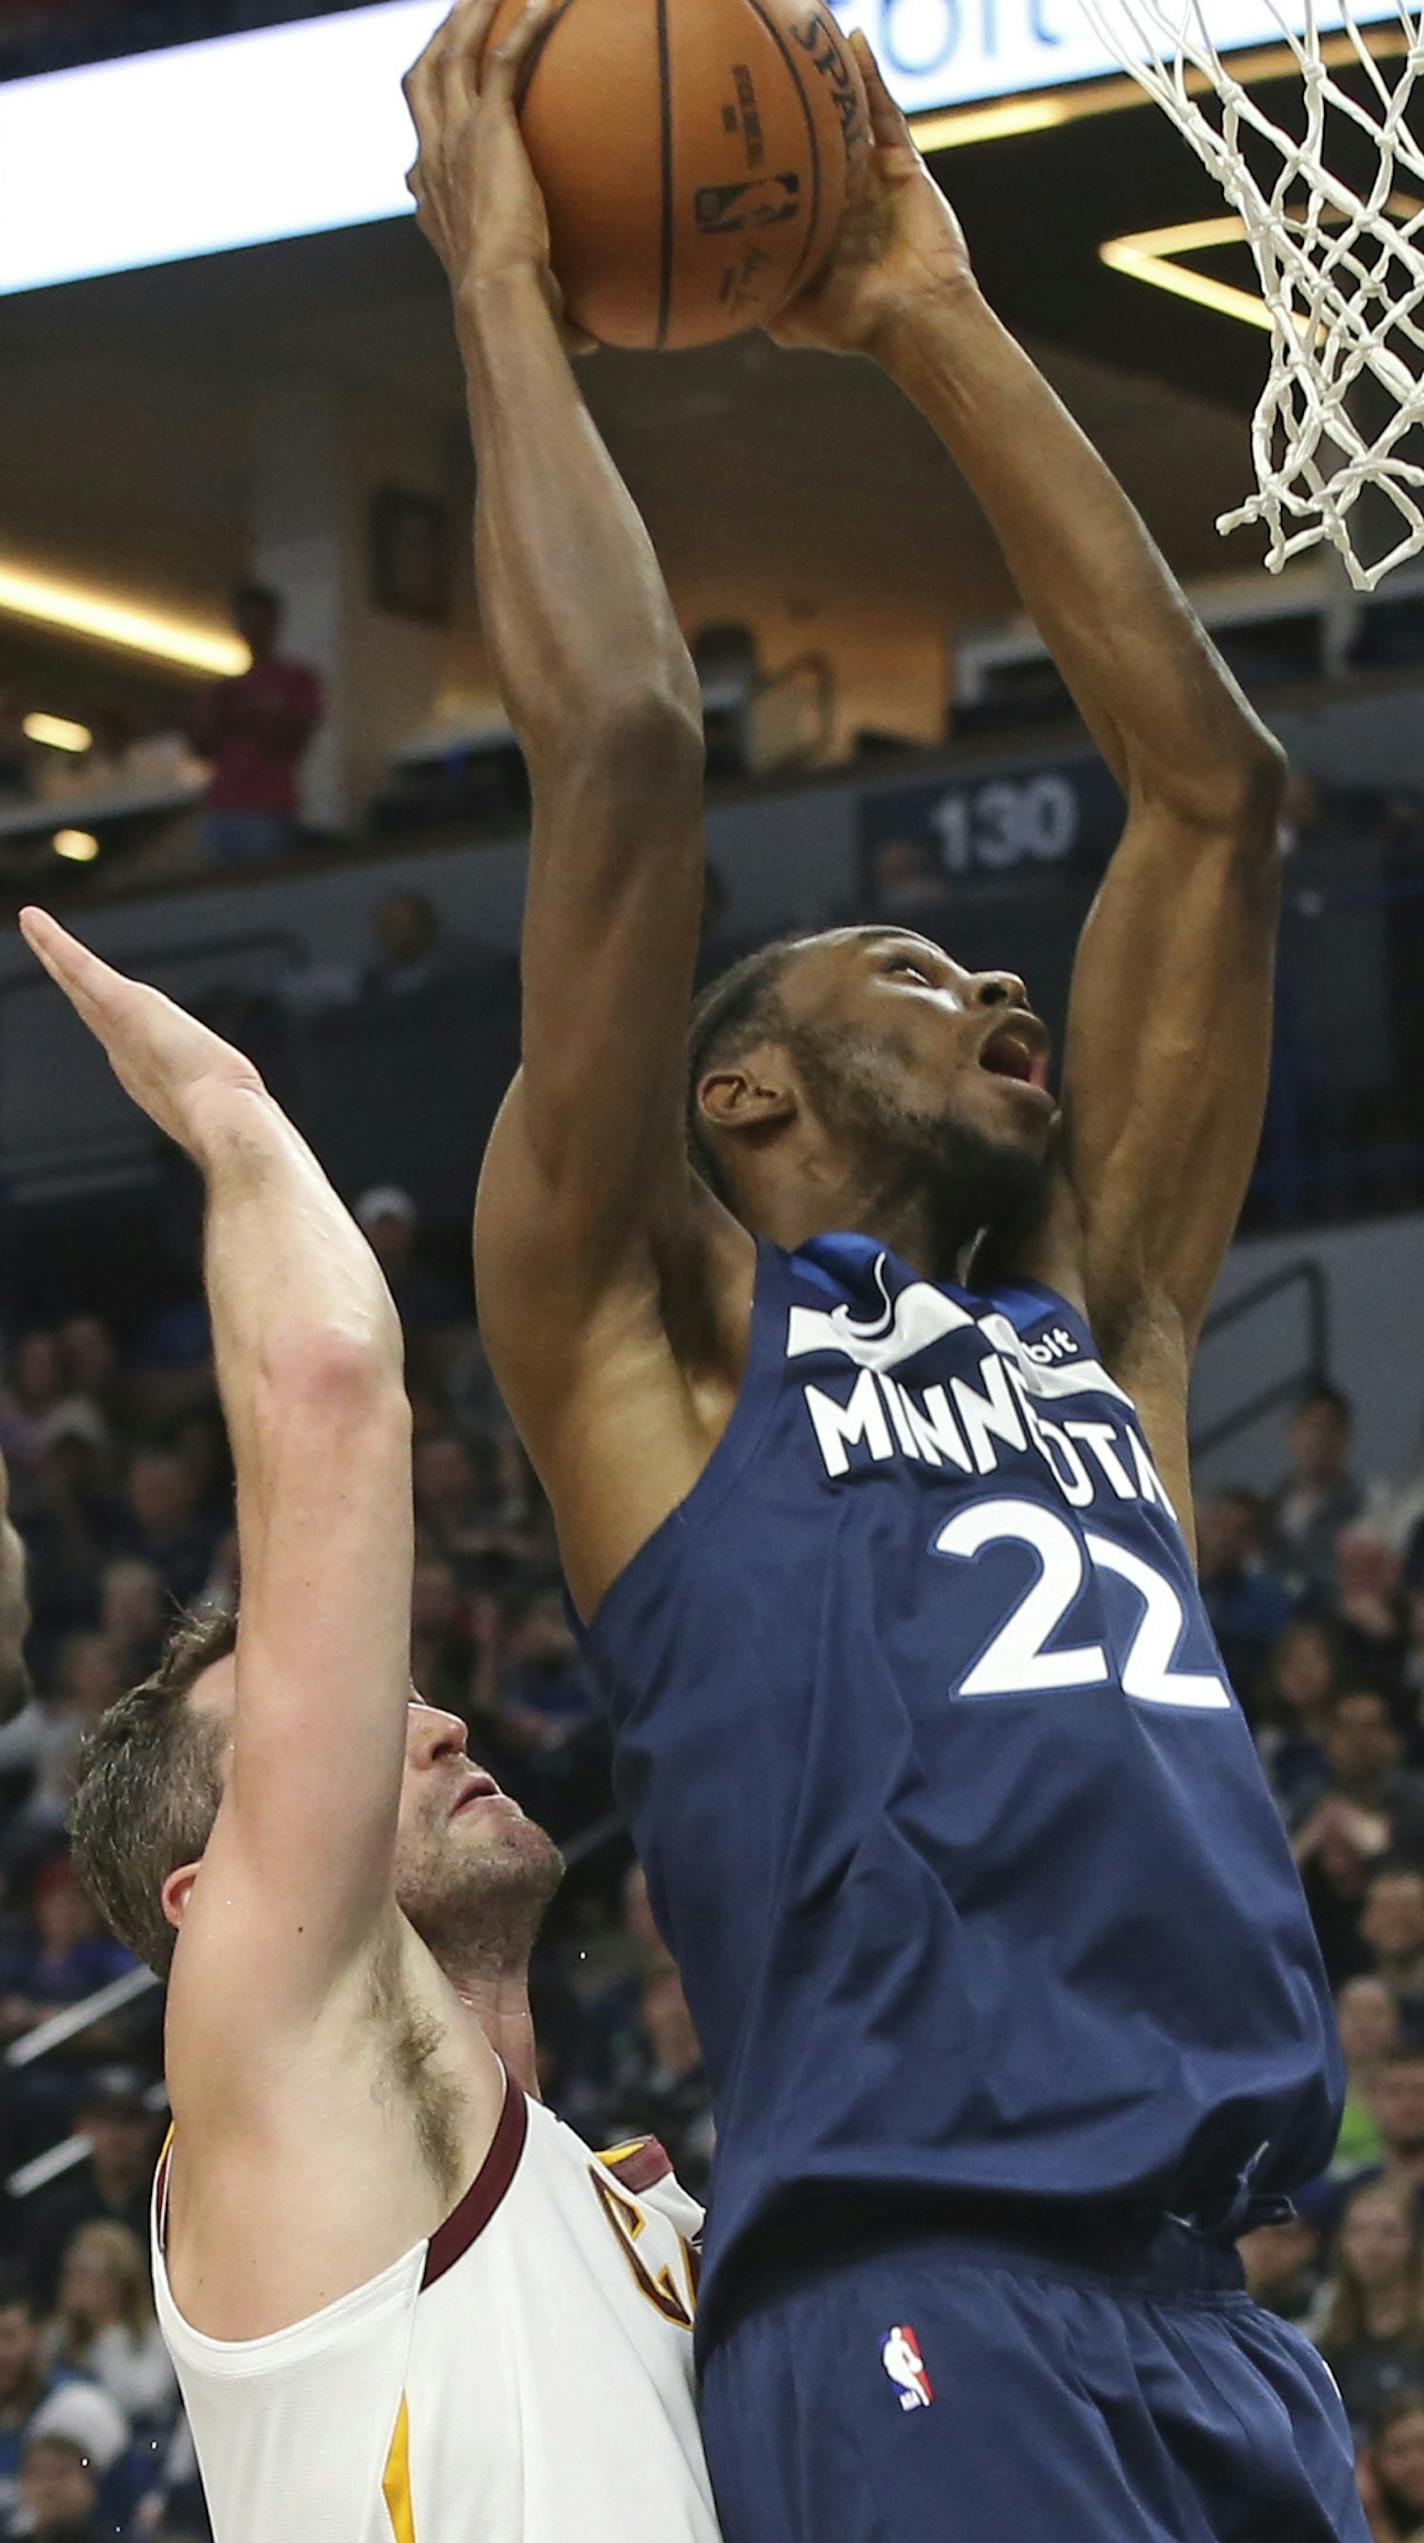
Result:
<point x="694" y="157"/>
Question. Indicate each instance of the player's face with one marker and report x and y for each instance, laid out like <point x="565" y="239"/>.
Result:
<point x="929" y="1073"/>
<point x="471" y="1870"/>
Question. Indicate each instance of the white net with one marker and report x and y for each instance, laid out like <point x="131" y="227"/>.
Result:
<point x="1337" y="231"/>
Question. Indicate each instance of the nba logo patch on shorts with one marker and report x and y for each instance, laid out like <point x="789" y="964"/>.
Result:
<point x="901" y="2359"/>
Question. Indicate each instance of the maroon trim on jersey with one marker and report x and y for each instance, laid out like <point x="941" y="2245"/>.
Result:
<point x="641" y="2167"/>
<point x="452" y="2240"/>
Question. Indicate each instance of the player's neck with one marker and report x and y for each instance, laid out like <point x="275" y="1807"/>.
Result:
<point x="499" y="2001"/>
<point x="908" y="1225"/>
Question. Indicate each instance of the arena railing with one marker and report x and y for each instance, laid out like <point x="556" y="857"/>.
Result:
<point x="1310" y="1369"/>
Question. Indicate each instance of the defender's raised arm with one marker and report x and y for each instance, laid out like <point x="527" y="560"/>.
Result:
<point x="308" y="1353"/>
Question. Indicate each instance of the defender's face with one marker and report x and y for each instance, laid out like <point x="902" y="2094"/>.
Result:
<point x="459" y="1838"/>
<point x="945" y="1043"/>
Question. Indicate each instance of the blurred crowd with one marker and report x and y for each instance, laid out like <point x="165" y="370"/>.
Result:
<point x="122" y="1488"/>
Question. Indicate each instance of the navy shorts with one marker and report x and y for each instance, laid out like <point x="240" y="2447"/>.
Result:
<point x="962" y="2388"/>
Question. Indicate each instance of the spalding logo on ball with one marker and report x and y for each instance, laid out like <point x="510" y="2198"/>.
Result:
<point x="694" y="156"/>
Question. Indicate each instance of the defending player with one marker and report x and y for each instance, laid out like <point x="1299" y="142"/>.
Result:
<point x="405" y="2304"/>
<point x="993" y="1942"/>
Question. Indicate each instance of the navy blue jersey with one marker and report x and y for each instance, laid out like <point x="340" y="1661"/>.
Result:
<point x="949" y="1815"/>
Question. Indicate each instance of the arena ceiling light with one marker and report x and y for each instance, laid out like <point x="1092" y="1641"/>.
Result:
<point x="111" y="621"/>
<point x="1150" y="256"/>
<point x="293" y="129"/>
<point x="57" y="733"/>
<point x="78" y="847"/>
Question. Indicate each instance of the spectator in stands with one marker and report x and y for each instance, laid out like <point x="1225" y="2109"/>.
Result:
<point x="24" y="2381"/>
<point x="133" y="1616"/>
<point x="39" y="2398"/>
<point x="1282" y="2265"/>
<point x="1304" y="1674"/>
<point x="77" y="2412"/>
<point x="164" y="1525"/>
<point x="1399" y="2109"/>
<point x="89" y="1359"/>
<point x="106" y="2326"/>
<point x="545" y="1698"/>
<point x="1393" y="1926"/>
<point x="1369" y="2036"/>
<point x="1366" y="1604"/>
<point x="449" y="1634"/>
<point x="59" y="1958"/>
<point x="110" y="2187"/>
<point x="390" y="1223"/>
<point x="1319" y="1496"/>
<point x="255" y="731"/>
<point x="73" y="1521"/>
<point x="1391" y="2469"/>
<point x="413" y="955"/>
<point x="1371" y="1795"/>
<point x="59" y="2493"/>
<point x="1248" y="1607"/>
<point x="34" y="1385"/>
<point x="47" y="1737"/>
<point x="1372" y="2332"/>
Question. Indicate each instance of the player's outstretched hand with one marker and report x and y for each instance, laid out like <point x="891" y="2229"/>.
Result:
<point x="476" y="196"/>
<point x="899" y="244"/>
<point x="171" y="1065"/>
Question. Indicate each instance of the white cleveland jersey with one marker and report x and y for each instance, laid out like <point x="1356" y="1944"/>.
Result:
<point x="525" y="2376"/>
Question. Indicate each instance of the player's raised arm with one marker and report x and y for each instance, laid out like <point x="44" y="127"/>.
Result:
<point x="586" y="1191"/>
<point x="1170" y="1020"/>
<point x="308" y="1349"/>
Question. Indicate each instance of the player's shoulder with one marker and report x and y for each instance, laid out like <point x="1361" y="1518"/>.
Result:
<point x="639" y="2164"/>
<point x="644" y="2169"/>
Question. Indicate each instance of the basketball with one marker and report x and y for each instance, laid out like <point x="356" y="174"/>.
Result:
<point x="694" y="156"/>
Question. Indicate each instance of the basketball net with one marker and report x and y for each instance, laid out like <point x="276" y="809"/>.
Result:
<point x="1341" y="271"/>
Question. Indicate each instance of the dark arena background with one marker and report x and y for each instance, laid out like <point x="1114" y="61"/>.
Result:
<point x="274" y="400"/>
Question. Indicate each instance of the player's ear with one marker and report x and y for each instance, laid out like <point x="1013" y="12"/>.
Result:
<point x="176" y="1892"/>
<point x="757" y="1093"/>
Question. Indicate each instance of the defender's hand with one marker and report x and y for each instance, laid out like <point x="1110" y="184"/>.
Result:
<point x="171" y="1065"/>
<point x="898" y="245"/>
<point x="476" y="196"/>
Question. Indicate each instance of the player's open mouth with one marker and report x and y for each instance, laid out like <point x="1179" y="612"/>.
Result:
<point x="478" y="1788"/>
<point x="1018" y="1049"/>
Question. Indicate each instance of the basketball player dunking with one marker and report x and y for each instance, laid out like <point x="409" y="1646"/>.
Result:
<point x="866" y="1437"/>
<point x="405" y="2304"/>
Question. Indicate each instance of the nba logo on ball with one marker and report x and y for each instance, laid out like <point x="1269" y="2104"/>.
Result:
<point x="900" y="2356"/>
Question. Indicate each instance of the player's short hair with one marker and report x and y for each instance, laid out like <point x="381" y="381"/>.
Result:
<point x="741" y="1008"/>
<point x="149" y="1788"/>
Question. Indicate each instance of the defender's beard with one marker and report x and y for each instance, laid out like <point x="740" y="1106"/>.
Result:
<point x="478" y="1907"/>
<point x="951" y="1175"/>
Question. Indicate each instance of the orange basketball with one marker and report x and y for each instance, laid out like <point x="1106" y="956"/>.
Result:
<point x="694" y="156"/>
